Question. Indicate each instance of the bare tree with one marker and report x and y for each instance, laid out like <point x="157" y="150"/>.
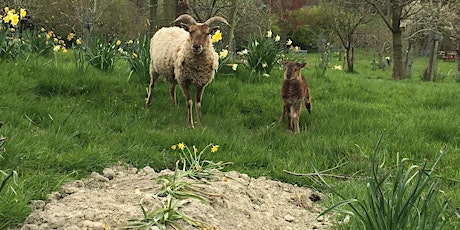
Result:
<point x="393" y="12"/>
<point x="348" y="16"/>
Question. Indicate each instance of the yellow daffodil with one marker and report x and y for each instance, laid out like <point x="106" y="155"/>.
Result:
<point x="118" y="42"/>
<point x="70" y="36"/>
<point x="6" y="19"/>
<point x="64" y="50"/>
<point x="269" y="34"/>
<point x="130" y="42"/>
<point x="216" y="37"/>
<point x="57" y="48"/>
<point x="197" y="167"/>
<point x="338" y="67"/>
<point x="264" y="65"/>
<point x="6" y="9"/>
<point x="78" y="41"/>
<point x="56" y="40"/>
<point x="214" y="148"/>
<point x="12" y="29"/>
<point x="277" y="38"/>
<point x="181" y="146"/>
<point x="195" y="149"/>
<point x="134" y="56"/>
<point x="223" y="53"/>
<point x="42" y="29"/>
<point x="22" y="13"/>
<point x="174" y="147"/>
<point x="289" y="42"/>
<point x="234" y="67"/>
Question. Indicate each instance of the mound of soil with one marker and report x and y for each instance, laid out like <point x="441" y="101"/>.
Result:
<point x="109" y="200"/>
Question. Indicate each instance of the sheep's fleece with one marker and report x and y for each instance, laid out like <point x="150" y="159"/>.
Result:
<point x="172" y="56"/>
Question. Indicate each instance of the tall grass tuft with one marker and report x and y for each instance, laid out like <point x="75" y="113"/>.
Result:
<point x="10" y="47"/>
<point x="406" y="198"/>
<point x="6" y="175"/>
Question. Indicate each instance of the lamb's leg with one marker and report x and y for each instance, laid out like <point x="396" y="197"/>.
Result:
<point x="296" y="116"/>
<point x="186" y="89"/>
<point x="283" y="114"/>
<point x="199" y="96"/>
<point x="290" y="116"/>
<point x="153" y="78"/>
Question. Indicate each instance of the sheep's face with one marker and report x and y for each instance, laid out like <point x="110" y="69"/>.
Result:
<point x="293" y="70"/>
<point x="199" y="37"/>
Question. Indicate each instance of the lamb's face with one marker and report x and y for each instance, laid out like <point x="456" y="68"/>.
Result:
<point x="292" y="70"/>
<point x="199" y="37"/>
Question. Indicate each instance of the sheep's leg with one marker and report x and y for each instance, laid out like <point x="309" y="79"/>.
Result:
<point x="199" y="96"/>
<point x="153" y="78"/>
<point x="186" y="89"/>
<point x="172" y="92"/>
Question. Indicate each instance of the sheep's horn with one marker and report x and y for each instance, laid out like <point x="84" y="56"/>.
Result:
<point x="216" y="19"/>
<point x="186" y="19"/>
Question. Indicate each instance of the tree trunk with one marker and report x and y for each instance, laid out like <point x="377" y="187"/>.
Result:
<point x="169" y="9"/>
<point x="232" y="20"/>
<point x="153" y="6"/>
<point x="398" y="67"/>
<point x="458" y="58"/>
<point x="431" y="68"/>
<point x="350" y="61"/>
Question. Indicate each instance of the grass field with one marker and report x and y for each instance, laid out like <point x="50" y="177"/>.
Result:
<point x="62" y="125"/>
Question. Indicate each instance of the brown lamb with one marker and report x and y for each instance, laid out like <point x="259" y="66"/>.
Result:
<point x="294" y="91"/>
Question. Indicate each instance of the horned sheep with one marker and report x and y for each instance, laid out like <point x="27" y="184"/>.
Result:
<point x="294" y="91"/>
<point x="184" y="56"/>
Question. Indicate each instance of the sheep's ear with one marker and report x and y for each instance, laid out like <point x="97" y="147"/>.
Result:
<point x="214" y="29"/>
<point x="184" y="26"/>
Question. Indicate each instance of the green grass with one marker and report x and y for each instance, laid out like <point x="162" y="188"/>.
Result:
<point x="62" y="124"/>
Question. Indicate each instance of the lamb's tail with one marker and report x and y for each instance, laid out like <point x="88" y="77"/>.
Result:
<point x="308" y="105"/>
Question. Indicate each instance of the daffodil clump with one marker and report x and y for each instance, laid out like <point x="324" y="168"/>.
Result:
<point x="102" y="54"/>
<point x="194" y="162"/>
<point x="44" y="42"/>
<point x="137" y="55"/>
<point x="263" y="52"/>
<point x="10" y="45"/>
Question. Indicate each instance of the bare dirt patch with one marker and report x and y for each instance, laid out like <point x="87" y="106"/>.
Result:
<point x="111" y="199"/>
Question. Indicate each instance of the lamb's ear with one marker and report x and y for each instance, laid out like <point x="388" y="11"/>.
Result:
<point x="214" y="29"/>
